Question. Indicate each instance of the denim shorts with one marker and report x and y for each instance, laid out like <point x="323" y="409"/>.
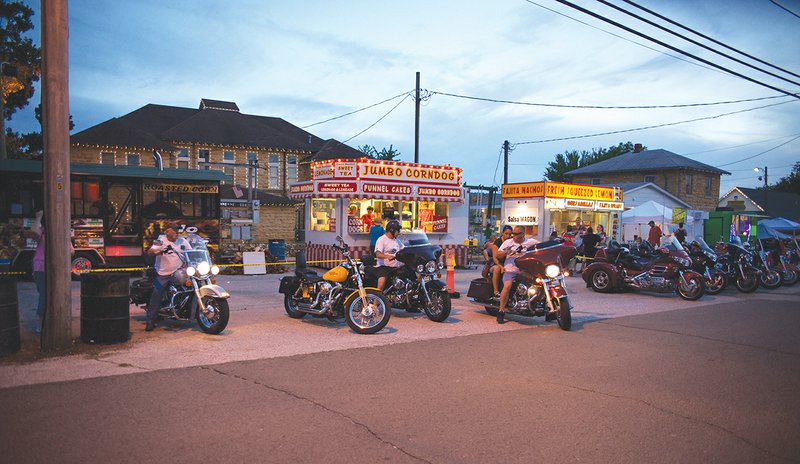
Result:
<point x="508" y="276"/>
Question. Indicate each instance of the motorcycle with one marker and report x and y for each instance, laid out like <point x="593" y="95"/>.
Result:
<point x="340" y="292"/>
<point x="667" y="269"/>
<point x="415" y="285"/>
<point x="538" y="289"/>
<point x="737" y="263"/>
<point x="191" y="292"/>
<point x="704" y="262"/>
<point x="769" y="277"/>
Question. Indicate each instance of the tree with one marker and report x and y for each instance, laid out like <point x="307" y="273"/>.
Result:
<point x="30" y="145"/>
<point x="789" y="183"/>
<point x="573" y="159"/>
<point x="20" y="53"/>
<point x="388" y="154"/>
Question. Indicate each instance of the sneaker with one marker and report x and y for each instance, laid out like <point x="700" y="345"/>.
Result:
<point x="150" y="326"/>
<point x="501" y="315"/>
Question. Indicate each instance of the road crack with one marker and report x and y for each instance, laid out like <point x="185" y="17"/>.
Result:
<point x="321" y="406"/>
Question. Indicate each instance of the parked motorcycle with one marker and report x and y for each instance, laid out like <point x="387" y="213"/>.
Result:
<point x="737" y="263"/>
<point x="191" y="293"/>
<point x="539" y="289"/>
<point x="340" y="292"/>
<point x="704" y="262"/>
<point x="667" y="269"/>
<point x="769" y="277"/>
<point x="416" y="285"/>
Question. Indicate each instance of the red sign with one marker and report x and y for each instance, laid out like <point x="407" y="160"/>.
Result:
<point x="337" y="187"/>
<point x="301" y="188"/>
<point x="439" y="224"/>
<point x="439" y="192"/>
<point x="389" y="189"/>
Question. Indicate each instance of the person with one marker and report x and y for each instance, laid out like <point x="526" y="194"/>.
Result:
<point x="487" y="256"/>
<point x="497" y="268"/>
<point x="509" y="250"/>
<point x="165" y="249"/>
<point x="590" y="241"/>
<point x="553" y="235"/>
<point x="386" y="247"/>
<point x="601" y="232"/>
<point x="375" y="232"/>
<point x="368" y="218"/>
<point x="568" y="236"/>
<point x="352" y="210"/>
<point x="680" y="233"/>
<point x="654" y="236"/>
<point x="579" y="230"/>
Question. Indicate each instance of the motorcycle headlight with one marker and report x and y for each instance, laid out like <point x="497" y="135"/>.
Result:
<point x="440" y="265"/>
<point x="214" y="270"/>
<point x="682" y="261"/>
<point x="203" y="268"/>
<point x="191" y="271"/>
<point x="420" y="268"/>
<point x="431" y="267"/>
<point x="552" y="270"/>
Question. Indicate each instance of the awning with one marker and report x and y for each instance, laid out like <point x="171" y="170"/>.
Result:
<point x="375" y="190"/>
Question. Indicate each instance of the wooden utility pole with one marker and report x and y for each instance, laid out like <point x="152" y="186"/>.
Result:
<point x="505" y="162"/>
<point x="57" y="327"/>
<point x="416" y="124"/>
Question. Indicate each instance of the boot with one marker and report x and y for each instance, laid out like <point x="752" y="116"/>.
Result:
<point x="501" y="317"/>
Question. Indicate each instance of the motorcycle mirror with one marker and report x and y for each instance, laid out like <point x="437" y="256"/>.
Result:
<point x="339" y="238"/>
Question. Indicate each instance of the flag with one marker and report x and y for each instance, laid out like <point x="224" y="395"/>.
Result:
<point x="159" y="162"/>
<point x="237" y="191"/>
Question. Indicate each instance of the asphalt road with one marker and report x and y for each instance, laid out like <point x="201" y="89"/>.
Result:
<point x="640" y="378"/>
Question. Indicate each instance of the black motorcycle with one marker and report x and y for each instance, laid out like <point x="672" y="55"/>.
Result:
<point x="704" y="262"/>
<point x="415" y="285"/>
<point x="737" y="263"/>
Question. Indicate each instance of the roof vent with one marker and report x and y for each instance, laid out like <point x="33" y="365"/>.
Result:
<point x="637" y="148"/>
<point x="206" y="104"/>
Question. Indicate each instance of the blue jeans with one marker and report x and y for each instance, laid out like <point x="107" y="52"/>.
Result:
<point x="38" y="278"/>
<point x="159" y="286"/>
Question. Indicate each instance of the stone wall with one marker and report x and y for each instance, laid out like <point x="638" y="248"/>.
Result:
<point x="276" y="223"/>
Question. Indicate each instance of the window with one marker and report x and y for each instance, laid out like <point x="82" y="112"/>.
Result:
<point x="203" y="156"/>
<point x="274" y="172"/>
<point x="650" y="179"/>
<point x="85" y="198"/>
<point x="229" y="171"/>
<point x="708" y="186"/>
<point x="133" y="159"/>
<point x="107" y="158"/>
<point x="595" y="181"/>
<point x="252" y="160"/>
<point x="182" y="160"/>
<point x="688" y="187"/>
<point x="323" y="215"/>
<point x="291" y="168"/>
<point x="227" y="157"/>
<point x="240" y="233"/>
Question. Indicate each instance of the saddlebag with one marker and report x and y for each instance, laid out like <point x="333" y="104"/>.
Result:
<point x="141" y="289"/>
<point x="289" y="284"/>
<point x="480" y="289"/>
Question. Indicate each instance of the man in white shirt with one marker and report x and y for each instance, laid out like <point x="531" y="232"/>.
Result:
<point x="166" y="249"/>
<point x="510" y="250"/>
<point x="386" y="248"/>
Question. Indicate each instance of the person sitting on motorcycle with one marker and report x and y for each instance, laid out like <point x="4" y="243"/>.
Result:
<point x="497" y="268"/>
<point x="166" y="249"/>
<point x="385" y="248"/>
<point x="509" y="250"/>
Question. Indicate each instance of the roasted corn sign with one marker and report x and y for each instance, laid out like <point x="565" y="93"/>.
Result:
<point x="557" y="190"/>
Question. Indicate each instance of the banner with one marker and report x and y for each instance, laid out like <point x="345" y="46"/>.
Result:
<point x="678" y="215"/>
<point x="181" y="188"/>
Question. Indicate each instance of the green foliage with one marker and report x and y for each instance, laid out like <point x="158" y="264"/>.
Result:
<point x="573" y="159"/>
<point x="789" y="183"/>
<point x="388" y="154"/>
<point x="22" y="55"/>
<point x="30" y="145"/>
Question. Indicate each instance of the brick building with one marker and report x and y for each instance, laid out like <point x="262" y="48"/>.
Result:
<point x="691" y="181"/>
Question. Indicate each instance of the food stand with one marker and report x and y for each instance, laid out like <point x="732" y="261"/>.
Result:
<point x="420" y="196"/>
<point x="544" y="207"/>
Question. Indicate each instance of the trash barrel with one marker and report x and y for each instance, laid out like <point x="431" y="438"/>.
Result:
<point x="277" y="248"/>
<point x="9" y="314"/>
<point x="105" y="307"/>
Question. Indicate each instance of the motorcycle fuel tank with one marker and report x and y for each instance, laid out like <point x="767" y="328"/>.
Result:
<point x="337" y="274"/>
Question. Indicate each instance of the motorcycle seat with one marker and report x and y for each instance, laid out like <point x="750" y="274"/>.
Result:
<point x="307" y="274"/>
<point x="636" y="263"/>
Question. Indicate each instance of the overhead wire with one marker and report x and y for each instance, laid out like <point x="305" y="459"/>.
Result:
<point x="379" y="119"/>
<point x="761" y="153"/>
<point x="356" y="111"/>
<point x="738" y="146"/>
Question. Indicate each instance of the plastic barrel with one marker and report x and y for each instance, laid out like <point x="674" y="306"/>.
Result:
<point x="9" y="315"/>
<point x="105" y="307"/>
<point x="277" y="248"/>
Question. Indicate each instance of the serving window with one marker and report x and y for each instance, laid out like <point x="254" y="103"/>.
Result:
<point x="430" y="216"/>
<point x="323" y="215"/>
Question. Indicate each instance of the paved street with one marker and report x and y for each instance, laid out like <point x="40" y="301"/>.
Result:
<point x="640" y="378"/>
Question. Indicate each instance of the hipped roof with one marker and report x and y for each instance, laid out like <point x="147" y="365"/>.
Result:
<point x="647" y="160"/>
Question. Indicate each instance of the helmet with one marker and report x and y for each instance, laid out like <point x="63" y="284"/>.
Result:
<point x="393" y="226"/>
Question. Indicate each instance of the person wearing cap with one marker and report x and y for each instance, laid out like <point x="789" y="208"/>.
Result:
<point x="654" y="237"/>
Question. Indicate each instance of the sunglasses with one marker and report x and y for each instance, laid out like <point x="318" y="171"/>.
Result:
<point x="517" y="233"/>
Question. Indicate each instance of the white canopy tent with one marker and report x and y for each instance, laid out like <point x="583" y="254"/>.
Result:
<point x="634" y="221"/>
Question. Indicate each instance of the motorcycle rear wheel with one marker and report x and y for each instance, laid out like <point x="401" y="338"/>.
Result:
<point x="371" y="319"/>
<point x="790" y="277"/>
<point x="717" y="283"/>
<point x="771" y="279"/>
<point x="693" y="291"/>
<point x="290" y="305"/>
<point x="600" y="281"/>
<point x="563" y="314"/>
<point x="218" y="319"/>
<point x="440" y="306"/>
<point x="747" y="284"/>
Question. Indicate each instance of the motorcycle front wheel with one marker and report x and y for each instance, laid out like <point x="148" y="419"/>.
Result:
<point x="370" y="318"/>
<point x="716" y="283"/>
<point x="563" y="314"/>
<point x="217" y="319"/>
<point x="770" y="279"/>
<point x="790" y="277"/>
<point x="691" y="290"/>
<point x="439" y="308"/>
<point x="748" y="283"/>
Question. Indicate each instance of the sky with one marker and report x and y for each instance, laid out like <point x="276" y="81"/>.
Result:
<point x="308" y="61"/>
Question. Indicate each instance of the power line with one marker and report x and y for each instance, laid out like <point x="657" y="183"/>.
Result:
<point x="784" y="8"/>
<point x="379" y="119"/>
<point x="356" y="111"/>
<point x="700" y="34"/>
<point x="759" y="154"/>
<point x="556" y="105"/>
<point x="653" y="126"/>
<point x="738" y="146"/>
<point x="634" y="15"/>
<point x="676" y="49"/>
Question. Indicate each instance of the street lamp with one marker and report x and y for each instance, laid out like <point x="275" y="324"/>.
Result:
<point x="766" y="184"/>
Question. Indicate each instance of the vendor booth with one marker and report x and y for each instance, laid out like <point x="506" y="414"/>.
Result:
<point x="544" y="207"/>
<point x="346" y="196"/>
<point x="635" y="220"/>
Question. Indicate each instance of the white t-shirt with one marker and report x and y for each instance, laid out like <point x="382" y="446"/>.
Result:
<point x="169" y="261"/>
<point x="389" y="246"/>
<point x="509" y="265"/>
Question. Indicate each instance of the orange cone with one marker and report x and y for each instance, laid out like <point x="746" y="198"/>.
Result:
<point x="451" y="274"/>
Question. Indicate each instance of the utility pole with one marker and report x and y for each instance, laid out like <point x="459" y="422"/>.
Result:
<point x="505" y="162"/>
<point x="416" y="123"/>
<point x="57" y="326"/>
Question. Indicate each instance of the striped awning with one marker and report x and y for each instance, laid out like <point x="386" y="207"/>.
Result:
<point x="375" y="190"/>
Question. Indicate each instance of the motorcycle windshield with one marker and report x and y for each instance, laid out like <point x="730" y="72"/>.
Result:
<point x="196" y="256"/>
<point x="671" y="243"/>
<point x="703" y="245"/>
<point x="416" y="237"/>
